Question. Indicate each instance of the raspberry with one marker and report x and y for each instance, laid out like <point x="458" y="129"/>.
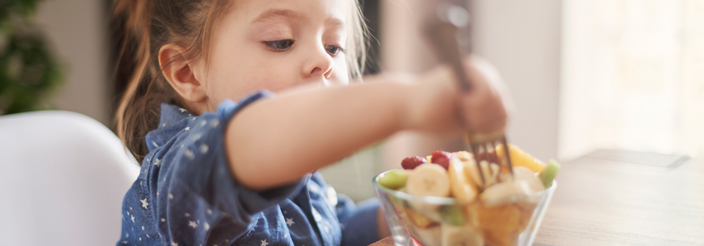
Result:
<point x="412" y="162"/>
<point x="441" y="158"/>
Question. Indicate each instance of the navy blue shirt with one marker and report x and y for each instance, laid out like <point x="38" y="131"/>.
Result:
<point x="186" y="195"/>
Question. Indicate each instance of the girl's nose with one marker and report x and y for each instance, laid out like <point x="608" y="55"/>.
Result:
<point x="318" y="64"/>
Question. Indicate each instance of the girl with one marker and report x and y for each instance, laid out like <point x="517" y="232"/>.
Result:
<point x="224" y="161"/>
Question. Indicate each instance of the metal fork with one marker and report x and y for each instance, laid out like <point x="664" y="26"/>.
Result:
<point x="442" y="32"/>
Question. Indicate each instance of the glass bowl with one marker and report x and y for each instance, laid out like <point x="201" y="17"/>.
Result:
<point x="441" y="221"/>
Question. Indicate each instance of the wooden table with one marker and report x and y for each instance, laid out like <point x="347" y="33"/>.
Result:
<point x="624" y="198"/>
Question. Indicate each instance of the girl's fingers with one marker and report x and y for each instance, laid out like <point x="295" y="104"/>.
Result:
<point x="484" y="106"/>
<point x="484" y="113"/>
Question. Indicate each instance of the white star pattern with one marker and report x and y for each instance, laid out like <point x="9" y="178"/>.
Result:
<point x="286" y="235"/>
<point x="174" y="244"/>
<point x="171" y="196"/>
<point x="145" y="204"/>
<point x="187" y="215"/>
<point x="202" y="123"/>
<point x="214" y="123"/>
<point x="127" y="235"/>
<point x="182" y="110"/>
<point x="125" y="242"/>
<point x="128" y="212"/>
<point x="188" y="128"/>
<point x="264" y="243"/>
<point x="203" y="148"/>
<point x="163" y="220"/>
<point x="140" y="239"/>
<point x="316" y="215"/>
<point x="142" y="228"/>
<point x="192" y="224"/>
<point x="289" y="222"/>
<point x="157" y="162"/>
<point x="188" y="153"/>
<point x="207" y="226"/>
<point x="130" y="208"/>
<point x="210" y="212"/>
<point x="132" y="218"/>
<point x="163" y="125"/>
<point x="154" y="143"/>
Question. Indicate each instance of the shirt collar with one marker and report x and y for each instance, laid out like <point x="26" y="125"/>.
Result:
<point x="172" y="120"/>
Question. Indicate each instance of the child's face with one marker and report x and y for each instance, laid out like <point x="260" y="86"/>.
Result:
<point x="275" y="45"/>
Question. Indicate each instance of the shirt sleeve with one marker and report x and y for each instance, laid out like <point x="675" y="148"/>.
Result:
<point x="358" y="221"/>
<point x="196" y="188"/>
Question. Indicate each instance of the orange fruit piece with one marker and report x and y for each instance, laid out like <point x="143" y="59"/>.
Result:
<point x="500" y="223"/>
<point x="520" y="158"/>
<point x="526" y="212"/>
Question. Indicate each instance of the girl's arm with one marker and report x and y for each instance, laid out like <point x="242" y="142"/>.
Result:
<point x="277" y="141"/>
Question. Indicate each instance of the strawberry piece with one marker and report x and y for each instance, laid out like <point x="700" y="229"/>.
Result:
<point x="412" y="162"/>
<point x="441" y="158"/>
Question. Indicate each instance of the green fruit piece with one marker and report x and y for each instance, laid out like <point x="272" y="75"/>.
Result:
<point x="452" y="214"/>
<point x="394" y="179"/>
<point x="549" y="173"/>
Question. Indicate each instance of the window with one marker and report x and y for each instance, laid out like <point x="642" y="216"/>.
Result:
<point x="633" y="76"/>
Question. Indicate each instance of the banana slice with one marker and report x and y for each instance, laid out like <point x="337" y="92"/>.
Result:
<point x="534" y="183"/>
<point x="491" y="172"/>
<point x="428" y="180"/>
<point x="461" y="235"/>
<point x="461" y="186"/>
<point x="418" y="219"/>
<point x="501" y="193"/>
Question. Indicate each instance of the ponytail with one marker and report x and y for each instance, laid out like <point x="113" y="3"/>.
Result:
<point x="139" y="107"/>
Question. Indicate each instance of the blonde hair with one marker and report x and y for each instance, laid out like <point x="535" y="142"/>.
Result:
<point x="144" y="26"/>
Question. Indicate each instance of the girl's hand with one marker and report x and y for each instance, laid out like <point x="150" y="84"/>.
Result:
<point x="439" y="105"/>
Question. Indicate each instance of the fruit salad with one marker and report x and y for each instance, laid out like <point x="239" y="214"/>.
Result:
<point x="470" y="210"/>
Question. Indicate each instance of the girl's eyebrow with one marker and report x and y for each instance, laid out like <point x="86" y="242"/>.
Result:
<point x="290" y="14"/>
<point x="278" y="13"/>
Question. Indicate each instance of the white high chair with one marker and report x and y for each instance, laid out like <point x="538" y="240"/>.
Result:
<point x="62" y="179"/>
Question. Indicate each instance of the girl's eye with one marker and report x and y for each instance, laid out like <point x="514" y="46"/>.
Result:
<point x="279" y="45"/>
<point x="333" y="50"/>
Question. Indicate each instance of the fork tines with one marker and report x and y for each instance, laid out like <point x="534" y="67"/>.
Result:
<point x="483" y="148"/>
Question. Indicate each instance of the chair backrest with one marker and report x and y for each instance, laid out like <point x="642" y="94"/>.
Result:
<point x="62" y="179"/>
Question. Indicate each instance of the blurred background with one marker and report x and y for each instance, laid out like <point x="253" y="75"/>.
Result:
<point x="584" y="74"/>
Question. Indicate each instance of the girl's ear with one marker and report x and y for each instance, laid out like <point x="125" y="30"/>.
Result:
<point x="181" y="73"/>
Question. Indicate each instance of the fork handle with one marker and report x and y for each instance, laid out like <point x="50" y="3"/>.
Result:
<point x="442" y="33"/>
